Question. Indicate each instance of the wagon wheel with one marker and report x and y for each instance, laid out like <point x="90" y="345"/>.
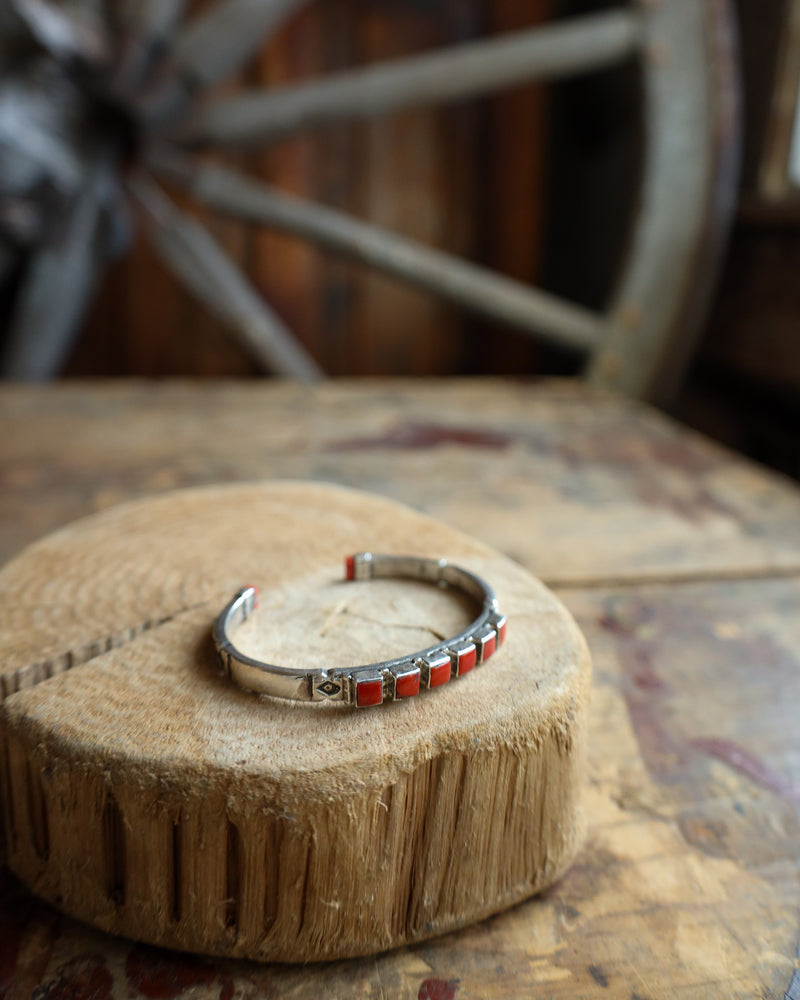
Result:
<point x="169" y="64"/>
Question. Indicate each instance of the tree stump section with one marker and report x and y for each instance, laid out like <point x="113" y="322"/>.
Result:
<point x="145" y="794"/>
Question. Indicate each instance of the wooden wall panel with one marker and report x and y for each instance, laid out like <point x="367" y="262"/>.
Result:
<point x="467" y="179"/>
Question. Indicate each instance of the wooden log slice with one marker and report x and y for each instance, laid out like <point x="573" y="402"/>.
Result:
<point x="144" y="793"/>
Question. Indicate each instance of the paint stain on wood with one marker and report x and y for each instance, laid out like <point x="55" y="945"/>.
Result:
<point x="664" y="755"/>
<point x="612" y="624"/>
<point x="646" y="679"/>
<point x="694" y="507"/>
<point x="663" y="752"/>
<point x="424" y="436"/>
<point x="438" y="989"/>
<point x="161" y="975"/>
<point x="83" y="977"/>
<point x="746" y="763"/>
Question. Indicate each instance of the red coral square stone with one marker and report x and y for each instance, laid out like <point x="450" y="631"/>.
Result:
<point x="439" y="672"/>
<point x="350" y="568"/>
<point x="466" y="659"/>
<point x="407" y="684"/>
<point x="501" y="632"/>
<point x="369" y="692"/>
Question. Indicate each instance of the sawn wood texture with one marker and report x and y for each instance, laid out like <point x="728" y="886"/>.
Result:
<point x="150" y="796"/>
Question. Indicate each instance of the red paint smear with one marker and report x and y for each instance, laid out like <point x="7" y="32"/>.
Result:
<point x="412" y="436"/>
<point x="226" y="993"/>
<point x="438" y="989"/>
<point x="663" y="754"/>
<point x="746" y="763"/>
<point x="612" y="624"/>
<point x="162" y="975"/>
<point x="85" y="978"/>
<point x="647" y="679"/>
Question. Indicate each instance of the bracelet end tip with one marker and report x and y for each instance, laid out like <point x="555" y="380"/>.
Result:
<point x="358" y="566"/>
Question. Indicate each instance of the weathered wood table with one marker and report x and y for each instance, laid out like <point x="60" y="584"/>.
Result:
<point x="681" y="563"/>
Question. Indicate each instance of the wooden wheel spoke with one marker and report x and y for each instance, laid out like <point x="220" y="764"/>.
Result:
<point x="199" y="263"/>
<point x="214" y="45"/>
<point x="155" y="20"/>
<point x="474" y="287"/>
<point x="55" y="292"/>
<point x="7" y="262"/>
<point x="152" y="24"/>
<point x="221" y="41"/>
<point x="568" y="47"/>
<point x="67" y="31"/>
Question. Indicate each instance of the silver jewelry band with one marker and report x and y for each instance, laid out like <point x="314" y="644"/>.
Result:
<point x="371" y="683"/>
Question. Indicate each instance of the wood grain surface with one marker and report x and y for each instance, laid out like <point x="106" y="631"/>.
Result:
<point x="577" y="486"/>
<point x="680" y="563"/>
<point x="146" y="794"/>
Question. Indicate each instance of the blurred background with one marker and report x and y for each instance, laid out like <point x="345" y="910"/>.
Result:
<point x="540" y="182"/>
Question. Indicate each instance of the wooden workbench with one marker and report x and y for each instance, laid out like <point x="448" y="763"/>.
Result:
<point x="680" y="562"/>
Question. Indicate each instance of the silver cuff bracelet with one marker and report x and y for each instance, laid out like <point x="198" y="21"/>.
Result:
<point x="372" y="683"/>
